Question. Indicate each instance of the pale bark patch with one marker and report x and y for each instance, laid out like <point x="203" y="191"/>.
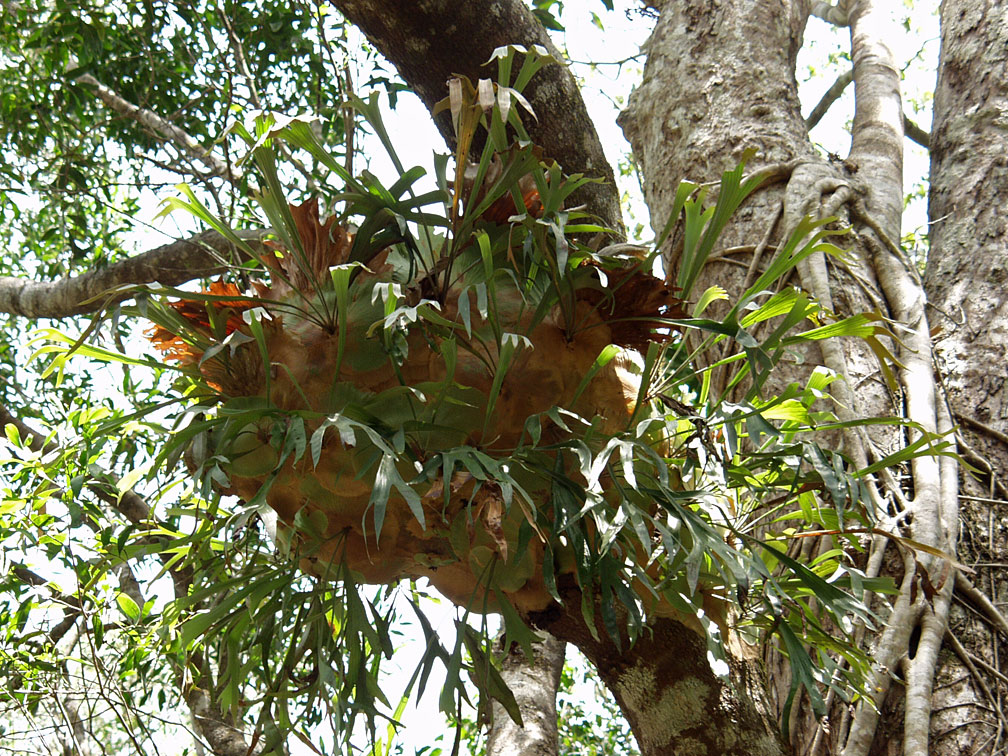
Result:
<point x="639" y="687"/>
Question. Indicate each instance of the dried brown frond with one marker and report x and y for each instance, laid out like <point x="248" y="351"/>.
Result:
<point x="636" y="307"/>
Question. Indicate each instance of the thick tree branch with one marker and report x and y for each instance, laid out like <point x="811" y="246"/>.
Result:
<point x="204" y="255"/>
<point x="674" y="702"/>
<point x="431" y="40"/>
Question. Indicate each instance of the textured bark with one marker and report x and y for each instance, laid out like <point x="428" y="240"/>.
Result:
<point x="719" y="79"/>
<point x="967" y="269"/>
<point x="675" y="704"/>
<point x="966" y="280"/>
<point x="204" y="255"/>
<point x="431" y="40"/>
<point x="534" y="684"/>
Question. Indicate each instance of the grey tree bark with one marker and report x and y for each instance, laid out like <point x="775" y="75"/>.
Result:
<point x="673" y="701"/>
<point x="720" y="79"/>
<point x="201" y="256"/>
<point x="534" y="683"/>
<point x="965" y="281"/>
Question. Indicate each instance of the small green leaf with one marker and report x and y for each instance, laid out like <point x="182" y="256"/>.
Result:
<point x="128" y="606"/>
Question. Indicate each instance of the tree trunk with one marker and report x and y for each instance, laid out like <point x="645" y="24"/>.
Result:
<point x="965" y="280"/>
<point x="664" y="684"/>
<point x="720" y="79"/>
<point x="534" y="683"/>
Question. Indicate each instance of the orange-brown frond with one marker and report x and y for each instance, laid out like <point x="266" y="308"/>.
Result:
<point x="174" y="347"/>
<point x="504" y="207"/>
<point x="195" y="310"/>
<point x="325" y="244"/>
<point x="636" y="307"/>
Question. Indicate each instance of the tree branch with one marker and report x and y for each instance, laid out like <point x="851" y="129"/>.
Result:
<point x="826" y="102"/>
<point x="916" y="134"/>
<point x="431" y="41"/>
<point x="703" y="715"/>
<point x="161" y="127"/>
<point x="204" y="255"/>
<point x="831" y="14"/>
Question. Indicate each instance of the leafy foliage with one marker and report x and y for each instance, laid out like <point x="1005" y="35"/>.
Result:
<point x="451" y="390"/>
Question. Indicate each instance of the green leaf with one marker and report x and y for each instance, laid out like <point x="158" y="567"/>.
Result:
<point x="712" y="294"/>
<point x="388" y="477"/>
<point x="603" y="359"/>
<point x="515" y="629"/>
<point x="128" y="606"/>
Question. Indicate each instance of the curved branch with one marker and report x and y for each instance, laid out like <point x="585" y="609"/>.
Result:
<point x="672" y="699"/>
<point x="163" y="128"/>
<point x="826" y="102"/>
<point x="428" y="42"/>
<point x="204" y="255"/>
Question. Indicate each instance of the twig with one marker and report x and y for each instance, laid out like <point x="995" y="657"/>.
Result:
<point x="990" y="668"/>
<point x="240" y="58"/>
<point x="972" y="456"/>
<point x="222" y="737"/>
<point x="983" y="499"/>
